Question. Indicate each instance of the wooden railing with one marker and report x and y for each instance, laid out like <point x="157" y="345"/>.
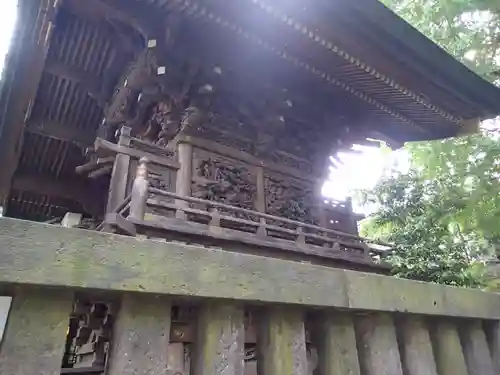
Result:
<point x="235" y="222"/>
<point x="246" y="314"/>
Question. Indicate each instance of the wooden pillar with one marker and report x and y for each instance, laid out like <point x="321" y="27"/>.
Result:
<point x="140" y="336"/>
<point x="23" y="72"/>
<point x="120" y="174"/>
<point x="335" y="339"/>
<point x="416" y="346"/>
<point x="377" y="344"/>
<point x="492" y="329"/>
<point x="475" y="348"/>
<point x="220" y="340"/>
<point x="184" y="175"/>
<point x="35" y="335"/>
<point x="281" y="343"/>
<point x="260" y="204"/>
<point x="447" y="349"/>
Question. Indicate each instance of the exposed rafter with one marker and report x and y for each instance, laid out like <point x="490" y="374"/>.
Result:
<point x="60" y="131"/>
<point x="73" y="190"/>
<point x="94" y="86"/>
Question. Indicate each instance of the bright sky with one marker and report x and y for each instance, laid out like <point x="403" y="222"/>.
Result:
<point x="8" y="17"/>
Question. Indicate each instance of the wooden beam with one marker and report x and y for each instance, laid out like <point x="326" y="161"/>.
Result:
<point x="24" y="70"/>
<point x="60" y="131"/>
<point x="42" y="254"/>
<point x="73" y="190"/>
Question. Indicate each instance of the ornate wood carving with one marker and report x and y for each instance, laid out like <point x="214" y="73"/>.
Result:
<point x="290" y="198"/>
<point x="223" y="180"/>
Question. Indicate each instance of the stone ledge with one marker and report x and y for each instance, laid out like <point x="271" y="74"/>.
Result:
<point x="40" y="254"/>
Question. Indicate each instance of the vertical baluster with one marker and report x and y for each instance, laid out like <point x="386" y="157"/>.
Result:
<point x="120" y="174"/>
<point x="447" y="349"/>
<point x="140" y="336"/>
<point x="215" y="220"/>
<point x="301" y="238"/>
<point x="378" y="346"/>
<point x="335" y="339"/>
<point x="184" y="176"/>
<point x="139" y="195"/>
<point x="475" y="348"/>
<point x="281" y="343"/>
<point x="492" y="329"/>
<point x="35" y="334"/>
<point x="416" y="346"/>
<point x="220" y="340"/>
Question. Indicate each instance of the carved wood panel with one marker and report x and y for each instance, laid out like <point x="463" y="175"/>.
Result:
<point x="225" y="180"/>
<point x="290" y="198"/>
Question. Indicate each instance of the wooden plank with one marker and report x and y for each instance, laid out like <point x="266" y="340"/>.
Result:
<point x="140" y="336"/>
<point x="35" y="335"/>
<point x="447" y="349"/>
<point x="492" y="329"/>
<point x="416" y="346"/>
<point x="104" y="149"/>
<point x="220" y="340"/>
<point x="44" y="254"/>
<point x="281" y="342"/>
<point x="335" y="339"/>
<point x="475" y="348"/>
<point x="378" y="345"/>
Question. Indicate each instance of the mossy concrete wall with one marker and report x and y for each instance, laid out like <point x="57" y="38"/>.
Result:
<point x="46" y="255"/>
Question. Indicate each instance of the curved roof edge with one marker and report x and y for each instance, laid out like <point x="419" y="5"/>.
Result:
<point x="422" y="55"/>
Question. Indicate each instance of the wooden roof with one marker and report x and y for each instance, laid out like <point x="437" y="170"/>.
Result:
<point x="355" y="57"/>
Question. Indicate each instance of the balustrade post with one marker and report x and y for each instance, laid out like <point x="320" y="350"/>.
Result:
<point x="475" y="348"/>
<point x="139" y="195"/>
<point x="220" y="340"/>
<point x="141" y="335"/>
<point x="492" y="329"/>
<point x="378" y="346"/>
<point x="416" y="346"/>
<point x="335" y="339"/>
<point x="120" y="174"/>
<point x="447" y="349"/>
<point x="281" y="342"/>
<point x="35" y="334"/>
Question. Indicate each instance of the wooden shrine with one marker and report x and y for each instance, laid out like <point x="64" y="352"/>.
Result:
<point x="203" y="129"/>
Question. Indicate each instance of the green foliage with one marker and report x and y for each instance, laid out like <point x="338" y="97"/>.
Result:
<point x="444" y="213"/>
<point x="417" y="217"/>
<point x="467" y="29"/>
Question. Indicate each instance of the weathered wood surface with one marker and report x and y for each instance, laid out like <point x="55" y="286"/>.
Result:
<point x="416" y="347"/>
<point x="378" y="346"/>
<point x="281" y="342"/>
<point x="220" y="340"/>
<point x="35" y="334"/>
<point x="47" y="255"/>
<point x="447" y="349"/>
<point x="334" y="336"/>
<point x="140" y="336"/>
